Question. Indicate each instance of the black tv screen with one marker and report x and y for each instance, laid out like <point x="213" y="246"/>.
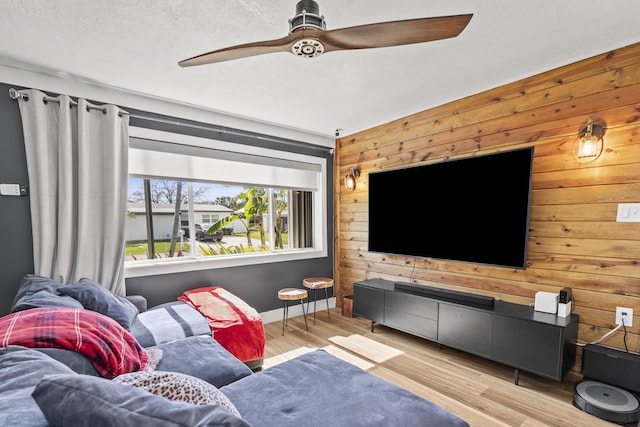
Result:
<point x="474" y="209"/>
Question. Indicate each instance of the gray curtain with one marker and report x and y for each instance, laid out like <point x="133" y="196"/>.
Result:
<point x="77" y="160"/>
<point x="301" y="224"/>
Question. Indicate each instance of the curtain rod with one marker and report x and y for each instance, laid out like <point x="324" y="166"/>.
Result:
<point x="226" y="131"/>
<point x="14" y="94"/>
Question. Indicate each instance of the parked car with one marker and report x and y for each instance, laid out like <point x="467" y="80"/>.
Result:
<point x="204" y="237"/>
<point x="201" y="234"/>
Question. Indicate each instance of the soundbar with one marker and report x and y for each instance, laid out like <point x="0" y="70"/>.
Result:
<point x="445" y="294"/>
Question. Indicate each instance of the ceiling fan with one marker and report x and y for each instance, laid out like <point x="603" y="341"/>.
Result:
<point x="308" y="36"/>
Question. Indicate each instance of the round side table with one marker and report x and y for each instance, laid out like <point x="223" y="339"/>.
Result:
<point x="316" y="283"/>
<point x="292" y="294"/>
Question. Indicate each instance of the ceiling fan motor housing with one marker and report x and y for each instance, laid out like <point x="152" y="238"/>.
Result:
<point x="307" y="16"/>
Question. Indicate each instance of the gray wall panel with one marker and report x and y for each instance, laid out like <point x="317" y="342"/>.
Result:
<point x="16" y="249"/>
<point x="258" y="285"/>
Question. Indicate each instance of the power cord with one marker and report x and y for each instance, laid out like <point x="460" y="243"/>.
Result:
<point x="605" y="336"/>
<point x="602" y="338"/>
<point x="624" y="338"/>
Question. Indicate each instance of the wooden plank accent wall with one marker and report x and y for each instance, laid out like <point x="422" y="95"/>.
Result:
<point x="574" y="239"/>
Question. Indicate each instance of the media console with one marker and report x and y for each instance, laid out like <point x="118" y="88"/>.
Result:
<point x="513" y="334"/>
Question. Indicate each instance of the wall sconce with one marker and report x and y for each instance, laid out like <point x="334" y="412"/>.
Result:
<point x="588" y="146"/>
<point x="350" y="179"/>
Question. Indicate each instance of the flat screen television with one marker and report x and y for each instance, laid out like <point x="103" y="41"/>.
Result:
<point x="473" y="209"/>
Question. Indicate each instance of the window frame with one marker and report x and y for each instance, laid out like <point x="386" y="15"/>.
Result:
<point x="184" y="264"/>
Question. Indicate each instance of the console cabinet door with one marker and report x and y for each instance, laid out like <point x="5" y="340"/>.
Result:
<point x="368" y="303"/>
<point x="464" y="328"/>
<point x="413" y="314"/>
<point x="527" y="345"/>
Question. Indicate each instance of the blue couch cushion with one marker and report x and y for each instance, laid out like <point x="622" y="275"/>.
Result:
<point x="318" y="389"/>
<point x="82" y="400"/>
<point x="21" y="369"/>
<point x="203" y="357"/>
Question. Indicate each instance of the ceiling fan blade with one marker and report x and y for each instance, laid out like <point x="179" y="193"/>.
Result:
<point x="242" y="51"/>
<point x="394" y="33"/>
<point x="312" y="41"/>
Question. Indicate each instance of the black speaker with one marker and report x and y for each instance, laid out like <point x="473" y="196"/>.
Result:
<point x="565" y="296"/>
<point x="611" y="366"/>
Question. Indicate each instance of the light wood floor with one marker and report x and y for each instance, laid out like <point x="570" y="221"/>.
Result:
<point x="481" y="392"/>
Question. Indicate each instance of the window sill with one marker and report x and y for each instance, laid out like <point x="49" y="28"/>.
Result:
<point x="185" y="264"/>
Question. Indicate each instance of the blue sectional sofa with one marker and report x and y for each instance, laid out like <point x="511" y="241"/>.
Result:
<point x="188" y="379"/>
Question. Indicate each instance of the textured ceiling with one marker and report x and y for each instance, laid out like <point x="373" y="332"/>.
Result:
<point x="136" y="45"/>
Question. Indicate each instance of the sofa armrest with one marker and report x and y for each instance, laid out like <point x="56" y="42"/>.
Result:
<point x="139" y="301"/>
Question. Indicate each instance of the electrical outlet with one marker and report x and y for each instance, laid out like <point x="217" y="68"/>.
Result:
<point x="626" y="314"/>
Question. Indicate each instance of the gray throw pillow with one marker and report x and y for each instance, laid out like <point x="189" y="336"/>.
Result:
<point x="37" y="291"/>
<point x="82" y="400"/>
<point x="95" y="297"/>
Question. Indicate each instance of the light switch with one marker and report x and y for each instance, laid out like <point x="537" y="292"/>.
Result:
<point x="9" y="189"/>
<point x="628" y="212"/>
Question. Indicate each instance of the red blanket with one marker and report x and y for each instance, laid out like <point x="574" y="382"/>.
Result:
<point x="111" y="349"/>
<point x="236" y="325"/>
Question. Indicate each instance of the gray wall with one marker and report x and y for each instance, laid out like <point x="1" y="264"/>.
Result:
<point x="258" y="284"/>
<point x="16" y="250"/>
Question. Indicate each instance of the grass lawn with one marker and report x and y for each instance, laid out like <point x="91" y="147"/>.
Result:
<point x="255" y="236"/>
<point x="140" y="248"/>
<point x="162" y="247"/>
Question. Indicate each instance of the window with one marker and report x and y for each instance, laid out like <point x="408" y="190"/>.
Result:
<point x="197" y="203"/>
<point x="209" y="218"/>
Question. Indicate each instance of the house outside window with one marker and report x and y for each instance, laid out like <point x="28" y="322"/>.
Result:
<point x="195" y="203"/>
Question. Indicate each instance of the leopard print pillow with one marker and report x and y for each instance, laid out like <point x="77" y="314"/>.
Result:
<point x="180" y="387"/>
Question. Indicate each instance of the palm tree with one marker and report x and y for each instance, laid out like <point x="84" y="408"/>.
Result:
<point x="243" y="215"/>
<point x="257" y="205"/>
<point x="281" y="206"/>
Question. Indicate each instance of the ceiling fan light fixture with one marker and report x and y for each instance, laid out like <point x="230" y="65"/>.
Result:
<point x="307" y="16"/>
<point x="308" y="48"/>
